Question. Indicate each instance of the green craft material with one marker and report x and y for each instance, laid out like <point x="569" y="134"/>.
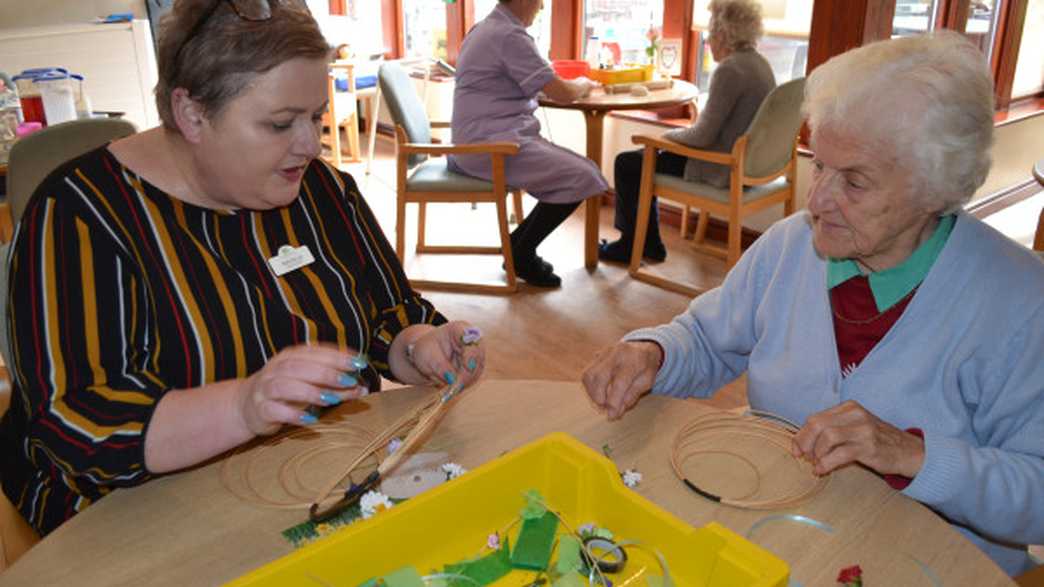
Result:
<point x="487" y="569"/>
<point x="534" y="507"/>
<point x="570" y="580"/>
<point x="309" y="531"/>
<point x="568" y="555"/>
<point x="369" y="583"/>
<point x="535" y="542"/>
<point x="404" y="577"/>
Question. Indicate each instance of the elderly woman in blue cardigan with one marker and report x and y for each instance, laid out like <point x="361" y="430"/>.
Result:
<point x="900" y="332"/>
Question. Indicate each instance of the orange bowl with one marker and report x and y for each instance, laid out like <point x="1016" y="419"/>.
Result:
<point x="570" y="69"/>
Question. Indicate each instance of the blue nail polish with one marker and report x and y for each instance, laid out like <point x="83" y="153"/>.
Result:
<point x="308" y="419"/>
<point x="347" y="380"/>
<point x="330" y="399"/>
<point x="472" y="364"/>
<point x="358" y="362"/>
<point x="448" y="376"/>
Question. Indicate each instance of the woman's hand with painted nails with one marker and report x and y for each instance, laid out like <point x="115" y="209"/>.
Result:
<point x="621" y="375"/>
<point x="295" y="379"/>
<point x="448" y="354"/>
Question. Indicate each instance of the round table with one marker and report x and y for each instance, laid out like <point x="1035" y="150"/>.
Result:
<point x="595" y="107"/>
<point x="187" y="529"/>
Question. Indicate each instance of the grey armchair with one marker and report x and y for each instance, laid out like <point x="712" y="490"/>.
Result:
<point x="37" y="155"/>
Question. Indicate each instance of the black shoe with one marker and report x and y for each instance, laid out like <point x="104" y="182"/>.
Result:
<point x="535" y="271"/>
<point x="655" y="252"/>
<point x="619" y="251"/>
<point x="545" y="266"/>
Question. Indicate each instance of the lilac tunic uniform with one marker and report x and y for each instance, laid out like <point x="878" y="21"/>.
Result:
<point x="499" y="73"/>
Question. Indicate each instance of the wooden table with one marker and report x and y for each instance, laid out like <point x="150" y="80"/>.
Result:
<point x="186" y="529"/>
<point x="595" y="107"/>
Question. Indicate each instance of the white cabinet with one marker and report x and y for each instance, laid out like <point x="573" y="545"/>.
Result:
<point x="117" y="60"/>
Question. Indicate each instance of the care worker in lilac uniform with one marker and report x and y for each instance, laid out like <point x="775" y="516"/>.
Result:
<point x="499" y="74"/>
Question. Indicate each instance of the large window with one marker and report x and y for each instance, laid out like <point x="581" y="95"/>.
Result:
<point x="434" y="28"/>
<point x="913" y="17"/>
<point x="784" y="45"/>
<point x="1029" y="68"/>
<point x="424" y="28"/>
<point x="541" y="29"/>
<point x="622" y="26"/>
<point x="981" y="26"/>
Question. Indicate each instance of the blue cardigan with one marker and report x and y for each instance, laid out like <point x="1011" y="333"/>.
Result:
<point x="964" y="363"/>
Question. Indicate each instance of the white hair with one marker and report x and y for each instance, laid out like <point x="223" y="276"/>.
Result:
<point x="736" y="22"/>
<point x="926" y="99"/>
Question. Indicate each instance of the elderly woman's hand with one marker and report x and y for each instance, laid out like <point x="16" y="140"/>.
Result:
<point x="621" y="375"/>
<point x="849" y="433"/>
<point x="296" y="378"/>
<point x="450" y="352"/>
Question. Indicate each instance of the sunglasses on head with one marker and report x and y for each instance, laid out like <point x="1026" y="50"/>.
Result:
<point x="251" y="10"/>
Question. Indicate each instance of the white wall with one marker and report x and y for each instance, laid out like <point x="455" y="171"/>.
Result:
<point x="31" y="13"/>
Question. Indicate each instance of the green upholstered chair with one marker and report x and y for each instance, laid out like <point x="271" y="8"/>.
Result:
<point x="423" y="177"/>
<point x="763" y="165"/>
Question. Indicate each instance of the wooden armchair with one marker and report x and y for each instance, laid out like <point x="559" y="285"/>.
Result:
<point x="763" y="165"/>
<point x="343" y="110"/>
<point x="423" y="177"/>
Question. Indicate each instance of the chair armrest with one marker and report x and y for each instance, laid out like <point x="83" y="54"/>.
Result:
<point x="440" y="124"/>
<point x="680" y="149"/>
<point x="462" y="149"/>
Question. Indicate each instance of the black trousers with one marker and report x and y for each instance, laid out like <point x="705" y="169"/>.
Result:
<point x="541" y="222"/>
<point x="628" y="169"/>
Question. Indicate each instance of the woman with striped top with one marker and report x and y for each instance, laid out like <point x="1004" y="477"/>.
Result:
<point x="191" y="287"/>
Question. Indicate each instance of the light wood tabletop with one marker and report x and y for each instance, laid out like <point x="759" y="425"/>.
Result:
<point x="595" y="107"/>
<point x="187" y="529"/>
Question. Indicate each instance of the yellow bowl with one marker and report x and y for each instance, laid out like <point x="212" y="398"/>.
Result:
<point x="627" y="75"/>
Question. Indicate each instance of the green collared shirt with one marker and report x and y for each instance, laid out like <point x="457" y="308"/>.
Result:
<point x="891" y="285"/>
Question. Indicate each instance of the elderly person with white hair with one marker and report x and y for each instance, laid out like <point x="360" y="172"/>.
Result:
<point x="741" y="81"/>
<point x="901" y="333"/>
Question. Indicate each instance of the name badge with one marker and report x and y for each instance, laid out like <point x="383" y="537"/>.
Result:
<point x="289" y="259"/>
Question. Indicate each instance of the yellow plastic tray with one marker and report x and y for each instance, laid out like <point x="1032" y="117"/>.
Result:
<point x="628" y="75"/>
<point x="451" y="522"/>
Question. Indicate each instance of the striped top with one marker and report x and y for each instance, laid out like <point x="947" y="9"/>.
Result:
<point x="120" y="292"/>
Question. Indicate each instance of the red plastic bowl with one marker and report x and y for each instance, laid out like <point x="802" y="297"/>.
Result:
<point x="570" y="69"/>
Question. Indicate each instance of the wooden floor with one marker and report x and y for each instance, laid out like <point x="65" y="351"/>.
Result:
<point x="540" y="333"/>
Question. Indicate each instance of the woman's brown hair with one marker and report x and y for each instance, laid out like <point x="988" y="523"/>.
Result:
<point x="214" y="53"/>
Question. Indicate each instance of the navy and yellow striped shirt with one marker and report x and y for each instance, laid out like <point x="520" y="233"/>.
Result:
<point x="120" y="292"/>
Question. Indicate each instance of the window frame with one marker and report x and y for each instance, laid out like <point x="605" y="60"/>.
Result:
<point x="834" y="29"/>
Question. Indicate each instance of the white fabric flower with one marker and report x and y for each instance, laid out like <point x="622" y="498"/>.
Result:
<point x="632" y="478"/>
<point x="373" y="502"/>
<point x="453" y="470"/>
